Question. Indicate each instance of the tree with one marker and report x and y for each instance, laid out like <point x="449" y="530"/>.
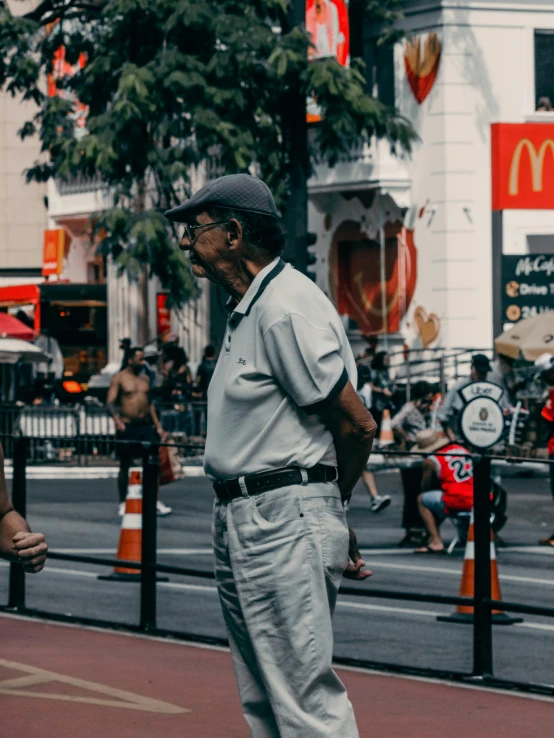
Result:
<point x="166" y="84"/>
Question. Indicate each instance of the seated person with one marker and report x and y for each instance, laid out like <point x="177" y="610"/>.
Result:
<point x="413" y="417"/>
<point x="446" y="487"/>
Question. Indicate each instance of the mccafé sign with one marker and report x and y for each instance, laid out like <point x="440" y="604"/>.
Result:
<point x="522" y="166"/>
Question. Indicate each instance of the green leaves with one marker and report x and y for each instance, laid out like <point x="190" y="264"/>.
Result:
<point x="171" y="83"/>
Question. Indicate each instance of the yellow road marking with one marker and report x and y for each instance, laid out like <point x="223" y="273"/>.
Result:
<point x="115" y="697"/>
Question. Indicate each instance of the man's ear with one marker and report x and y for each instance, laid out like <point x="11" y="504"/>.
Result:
<point x="234" y="233"/>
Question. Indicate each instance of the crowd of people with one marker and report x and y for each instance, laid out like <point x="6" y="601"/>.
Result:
<point x="442" y="485"/>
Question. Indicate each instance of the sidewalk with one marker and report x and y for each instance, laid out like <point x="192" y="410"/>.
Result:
<point x="58" y="681"/>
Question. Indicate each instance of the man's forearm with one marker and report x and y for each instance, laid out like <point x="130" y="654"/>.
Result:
<point x="154" y="416"/>
<point x="113" y="410"/>
<point x="10" y="524"/>
<point x="353" y="450"/>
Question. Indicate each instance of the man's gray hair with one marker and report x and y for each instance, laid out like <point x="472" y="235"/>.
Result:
<point x="259" y="231"/>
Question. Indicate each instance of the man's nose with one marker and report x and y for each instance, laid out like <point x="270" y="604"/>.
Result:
<point x="185" y="243"/>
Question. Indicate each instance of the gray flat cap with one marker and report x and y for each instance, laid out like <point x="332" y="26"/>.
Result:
<point x="235" y="191"/>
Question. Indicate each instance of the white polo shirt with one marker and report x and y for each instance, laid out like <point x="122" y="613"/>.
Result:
<point x="285" y="350"/>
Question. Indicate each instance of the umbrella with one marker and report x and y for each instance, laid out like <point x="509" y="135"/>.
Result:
<point x="11" y="327"/>
<point x="530" y="337"/>
<point x="13" y="350"/>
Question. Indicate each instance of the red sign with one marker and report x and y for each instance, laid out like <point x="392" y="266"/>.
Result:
<point x="53" y="252"/>
<point x="522" y="166"/>
<point x="163" y="315"/>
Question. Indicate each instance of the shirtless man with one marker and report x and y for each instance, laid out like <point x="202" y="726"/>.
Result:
<point x="17" y="543"/>
<point x="135" y="419"/>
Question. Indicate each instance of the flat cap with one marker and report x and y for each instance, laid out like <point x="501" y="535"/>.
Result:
<point x="234" y="191"/>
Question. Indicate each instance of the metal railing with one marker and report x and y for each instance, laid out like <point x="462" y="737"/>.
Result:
<point x="149" y="567"/>
<point x="79" y="184"/>
<point x="78" y="434"/>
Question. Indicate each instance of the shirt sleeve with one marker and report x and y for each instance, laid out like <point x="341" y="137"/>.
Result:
<point x="398" y="419"/>
<point x="450" y="405"/>
<point x="305" y="360"/>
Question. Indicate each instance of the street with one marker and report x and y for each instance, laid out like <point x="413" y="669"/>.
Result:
<point x="81" y="517"/>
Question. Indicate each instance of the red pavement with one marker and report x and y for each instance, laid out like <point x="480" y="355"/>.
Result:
<point x="145" y="688"/>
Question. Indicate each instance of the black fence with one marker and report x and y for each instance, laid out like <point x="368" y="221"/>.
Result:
<point x="149" y="568"/>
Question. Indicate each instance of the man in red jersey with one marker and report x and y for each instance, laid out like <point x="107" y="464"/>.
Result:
<point x="545" y="369"/>
<point x="447" y="485"/>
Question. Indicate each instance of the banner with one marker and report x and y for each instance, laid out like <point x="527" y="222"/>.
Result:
<point x="163" y="315"/>
<point x="422" y="56"/>
<point x="522" y="159"/>
<point x="61" y="69"/>
<point x="327" y="23"/>
<point x="53" y="251"/>
<point x="359" y="289"/>
<point x="527" y="286"/>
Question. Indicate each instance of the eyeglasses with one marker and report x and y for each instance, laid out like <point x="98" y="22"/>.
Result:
<point x="190" y="231"/>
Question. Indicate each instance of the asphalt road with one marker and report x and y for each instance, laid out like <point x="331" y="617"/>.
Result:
<point x="81" y="517"/>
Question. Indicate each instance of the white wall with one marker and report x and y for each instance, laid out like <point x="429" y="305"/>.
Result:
<point x="22" y="211"/>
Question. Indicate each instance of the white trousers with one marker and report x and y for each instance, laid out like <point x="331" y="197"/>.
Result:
<point x="279" y="557"/>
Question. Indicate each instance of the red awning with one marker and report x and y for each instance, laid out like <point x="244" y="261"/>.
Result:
<point x="11" y="327"/>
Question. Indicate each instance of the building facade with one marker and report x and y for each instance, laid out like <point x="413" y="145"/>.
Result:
<point x="23" y="214"/>
<point x="464" y="67"/>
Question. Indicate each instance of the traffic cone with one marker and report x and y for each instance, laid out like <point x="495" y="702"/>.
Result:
<point x="464" y="613"/>
<point x="130" y="539"/>
<point x="386" y="436"/>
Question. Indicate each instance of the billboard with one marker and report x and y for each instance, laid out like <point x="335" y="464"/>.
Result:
<point x="527" y="286"/>
<point x="522" y="157"/>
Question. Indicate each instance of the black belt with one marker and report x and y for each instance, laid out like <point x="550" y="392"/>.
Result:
<point x="254" y="484"/>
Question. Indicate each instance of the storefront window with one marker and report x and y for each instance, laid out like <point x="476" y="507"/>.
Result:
<point x="544" y="71"/>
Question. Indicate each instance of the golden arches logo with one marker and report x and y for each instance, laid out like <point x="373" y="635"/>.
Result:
<point x="536" y="159"/>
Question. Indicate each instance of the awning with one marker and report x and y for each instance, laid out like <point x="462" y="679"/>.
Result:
<point x="62" y="293"/>
<point x="13" y="350"/>
<point x="11" y="327"/>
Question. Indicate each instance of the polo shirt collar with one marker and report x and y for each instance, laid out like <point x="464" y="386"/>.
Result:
<point x="256" y="289"/>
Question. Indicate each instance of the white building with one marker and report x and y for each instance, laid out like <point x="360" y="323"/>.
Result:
<point x="23" y="215"/>
<point x="492" y="63"/>
<point x="132" y="306"/>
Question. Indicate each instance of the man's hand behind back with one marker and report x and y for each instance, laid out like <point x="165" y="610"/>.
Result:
<point x="355" y="569"/>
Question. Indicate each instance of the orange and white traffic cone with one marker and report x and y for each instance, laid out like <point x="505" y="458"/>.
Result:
<point x="386" y="436"/>
<point x="464" y="613"/>
<point x="130" y="539"/>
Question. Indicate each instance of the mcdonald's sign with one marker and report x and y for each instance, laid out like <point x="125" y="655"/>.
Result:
<point x="522" y="166"/>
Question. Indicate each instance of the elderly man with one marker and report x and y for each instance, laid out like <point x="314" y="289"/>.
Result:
<point x="17" y="542"/>
<point x="288" y="438"/>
